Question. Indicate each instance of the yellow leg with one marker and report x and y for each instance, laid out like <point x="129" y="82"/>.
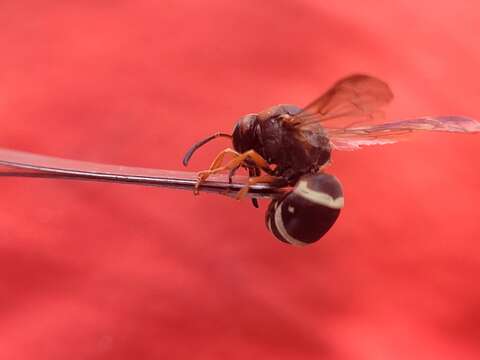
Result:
<point x="238" y="160"/>
<point x="203" y="175"/>
<point x="219" y="158"/>
<point x="268" y="179"/>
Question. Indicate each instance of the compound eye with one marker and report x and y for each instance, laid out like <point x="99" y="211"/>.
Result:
<point x="247" y="122"/>
<point x="243" y="132"/>
<point x="305" y="214"/>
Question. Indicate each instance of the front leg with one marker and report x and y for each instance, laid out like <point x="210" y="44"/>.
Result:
<point x="237" y="161"/>
<point x="203" y="175"/>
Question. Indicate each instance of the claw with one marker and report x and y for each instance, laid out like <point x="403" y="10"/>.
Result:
<point x="202" y="176"/>
<point x="242" y="192"/>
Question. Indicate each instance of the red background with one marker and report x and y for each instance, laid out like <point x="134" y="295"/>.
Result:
<point x="100" y="271"/>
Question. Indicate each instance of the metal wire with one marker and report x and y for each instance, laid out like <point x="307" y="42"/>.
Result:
<point x="39" y="166"/>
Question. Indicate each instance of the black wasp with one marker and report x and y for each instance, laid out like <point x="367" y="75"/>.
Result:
<point x="288" y="146"/>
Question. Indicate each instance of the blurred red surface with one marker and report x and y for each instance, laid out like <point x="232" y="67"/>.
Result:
<point x="102" y="271"/>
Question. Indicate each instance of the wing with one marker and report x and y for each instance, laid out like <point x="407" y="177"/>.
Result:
<point x="349" y="113"/>
<point x="354" y="137"/>
<point x="352" y="100"/>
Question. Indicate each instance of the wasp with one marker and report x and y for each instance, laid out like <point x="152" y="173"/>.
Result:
<point x="290" y="146"/>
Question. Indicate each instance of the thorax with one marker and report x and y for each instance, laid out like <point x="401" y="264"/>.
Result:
<point x="294" y="152"/>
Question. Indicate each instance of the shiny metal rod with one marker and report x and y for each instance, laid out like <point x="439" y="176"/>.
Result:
<point x="40" y="166"/>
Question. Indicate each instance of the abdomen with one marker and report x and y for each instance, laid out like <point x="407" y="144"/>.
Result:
<point x="305" y="214"/>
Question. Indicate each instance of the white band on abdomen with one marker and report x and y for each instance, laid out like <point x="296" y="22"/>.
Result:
<point x="281" y="228"/>
<point x="318" y="197"/>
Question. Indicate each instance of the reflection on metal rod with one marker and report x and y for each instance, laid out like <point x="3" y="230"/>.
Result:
<point x="40" y="166"/>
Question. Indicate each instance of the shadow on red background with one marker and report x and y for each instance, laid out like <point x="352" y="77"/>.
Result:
<point x="99" y="271"/>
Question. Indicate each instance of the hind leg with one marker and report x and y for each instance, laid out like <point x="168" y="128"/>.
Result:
<point x="266" y="179"/>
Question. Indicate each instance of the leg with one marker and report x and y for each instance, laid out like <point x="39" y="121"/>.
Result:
<point x="237" y="161"/>
<point x="268" y="179"/>
<point x="214" y="166"/>
<point x="253" y="172"/>
<point x="232" y="172"/>
<point x="219" y="158"/>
